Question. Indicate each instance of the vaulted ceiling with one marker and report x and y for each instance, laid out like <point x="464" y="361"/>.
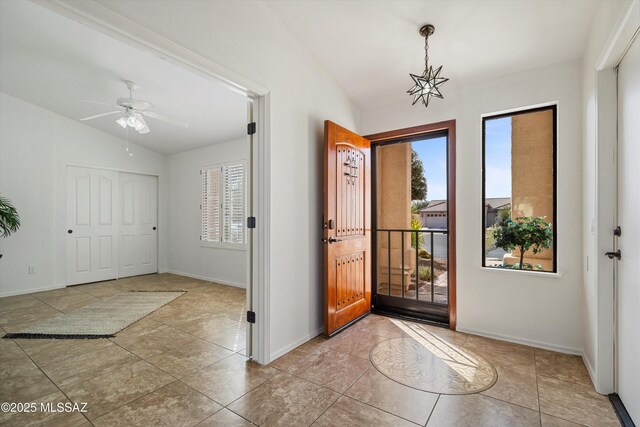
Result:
<point x="52" y="61"/>
<point x="370" y="47"/>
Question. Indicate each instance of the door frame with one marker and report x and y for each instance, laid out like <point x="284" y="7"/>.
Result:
<point x="448" y="126"/>
<point x="99" y="17"/>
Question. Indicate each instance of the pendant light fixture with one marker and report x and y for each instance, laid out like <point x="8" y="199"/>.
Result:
<point x="428" y="84"/>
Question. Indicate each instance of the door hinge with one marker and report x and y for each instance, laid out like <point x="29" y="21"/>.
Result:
<point x="251" y="128"/>
<point x="251" y="222"/>
<point x="617" y="254"/>
<point x="617" y="231"/>
<point x="251" y="316"/>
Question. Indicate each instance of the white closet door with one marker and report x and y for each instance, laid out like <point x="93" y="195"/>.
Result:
<point x="138" y="220"/>
<point x="629" y="241"/>
<point x="91" y="225"/>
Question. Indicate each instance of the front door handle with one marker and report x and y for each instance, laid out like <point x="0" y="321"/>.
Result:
<point x="333" y="240"/>
<point x="617" y="254"/>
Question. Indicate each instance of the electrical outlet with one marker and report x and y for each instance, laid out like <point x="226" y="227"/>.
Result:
<point x="32" y="269"/>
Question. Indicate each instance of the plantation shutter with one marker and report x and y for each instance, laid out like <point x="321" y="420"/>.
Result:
<point x="233" y="204"/>
<point x="210" y="205"/>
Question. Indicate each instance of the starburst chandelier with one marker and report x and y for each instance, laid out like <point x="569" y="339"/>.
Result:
<point x="426" y="85"/>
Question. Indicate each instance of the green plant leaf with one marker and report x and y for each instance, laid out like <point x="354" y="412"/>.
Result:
<point x="9" y="219"/>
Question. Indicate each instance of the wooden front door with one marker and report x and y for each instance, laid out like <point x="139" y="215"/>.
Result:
<point x="347" y="227"/>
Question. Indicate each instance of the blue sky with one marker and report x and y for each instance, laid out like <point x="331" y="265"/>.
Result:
<point x="498" y="157"/>
<point x="433" y="153"/>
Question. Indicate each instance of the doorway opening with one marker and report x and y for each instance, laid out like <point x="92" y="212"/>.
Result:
<point x="413" y="210"/>
<point x="169" y="154"/>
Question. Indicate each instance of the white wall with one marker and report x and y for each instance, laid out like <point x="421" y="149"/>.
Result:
<point x="246" y="37"/>
<point x="538" y="309"/>
<point x="599" y="101"/>
<point x="185" y="253"/>
<point x="36" y="145"/>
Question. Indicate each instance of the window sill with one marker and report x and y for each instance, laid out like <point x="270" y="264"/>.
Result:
<point x="546" y="274"/>
<point x="228" y="246"/>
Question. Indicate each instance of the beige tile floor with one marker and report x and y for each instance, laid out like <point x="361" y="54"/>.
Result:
<point x="184" y="365"/>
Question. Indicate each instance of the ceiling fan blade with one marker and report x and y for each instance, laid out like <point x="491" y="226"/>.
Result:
<point x="101" y="115"/>
<point x="164" y="118"/>
<point x="90" y="101"/>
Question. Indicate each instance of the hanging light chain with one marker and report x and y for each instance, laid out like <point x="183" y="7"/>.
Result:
<point x="426" y="52"/>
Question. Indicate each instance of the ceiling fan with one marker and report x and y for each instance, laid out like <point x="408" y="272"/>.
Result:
<point x="132" y="111"/>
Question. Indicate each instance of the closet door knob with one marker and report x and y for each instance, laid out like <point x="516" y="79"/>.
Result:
<point x="154" y="228"/>
<point x="69" y="231"/>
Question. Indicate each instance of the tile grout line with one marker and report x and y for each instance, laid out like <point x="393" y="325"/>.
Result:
<point x="47" y="304"/>
<point x="177" y="380"/>
<point x="433" y="409"/>
<point x="343" y="394"/>
<point x="502" y="400"/>
<point x="120" y="367"/>
<point x="195" y="370"/>
<point x="281" y="371"/>
<point x="52" y="382"/>
<point x="340" y="394"/>
<point x="182" y="330"/>
<point x="153" y="391"/>
<point x="139" y="397"/>
<point x="372" y="406"/>
<point x="55" y="308"/>
<point x="535" y="371"/>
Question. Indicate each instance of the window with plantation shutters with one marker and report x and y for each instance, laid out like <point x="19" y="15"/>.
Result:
<point x="223" y="205"/>
<point x="210" y="205"/>
<point x="233" y="204"/>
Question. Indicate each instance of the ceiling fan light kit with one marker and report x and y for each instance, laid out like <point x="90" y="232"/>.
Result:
<point x="135" y="121"/>
<point x="427" y="84"/>
<point x="133" y="111"/>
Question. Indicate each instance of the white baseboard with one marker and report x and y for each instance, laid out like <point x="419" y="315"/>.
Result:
<point x="590" y="370"/>
<point x="31" y="291"/>
<point x="530" y="343"/>
<point x="286" y="349"/>
<point x="208" y="279"/>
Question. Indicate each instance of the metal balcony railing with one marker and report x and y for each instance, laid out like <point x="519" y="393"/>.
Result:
<point x="407" y="271"/>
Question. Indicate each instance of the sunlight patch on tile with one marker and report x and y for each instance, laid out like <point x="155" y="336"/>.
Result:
<point x="426" y="362"/>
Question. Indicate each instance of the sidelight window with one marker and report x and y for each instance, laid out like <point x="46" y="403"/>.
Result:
<point x="519" y="190"/>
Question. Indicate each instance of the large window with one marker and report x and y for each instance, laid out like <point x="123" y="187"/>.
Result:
<point x="223" y="205"/>
<point x="519" y="190"/>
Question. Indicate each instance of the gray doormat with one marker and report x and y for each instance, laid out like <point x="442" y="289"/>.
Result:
<point x="102" y="319"/>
